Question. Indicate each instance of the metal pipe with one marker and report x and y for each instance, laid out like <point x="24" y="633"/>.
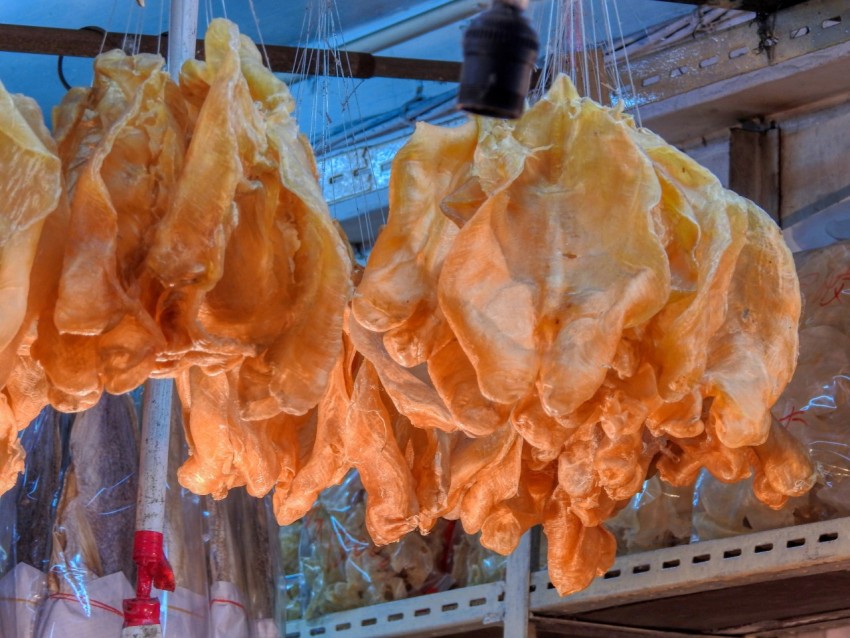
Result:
<point x="417" y="25"/>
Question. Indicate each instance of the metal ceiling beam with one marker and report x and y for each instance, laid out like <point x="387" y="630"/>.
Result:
<point x="88" y="44"/>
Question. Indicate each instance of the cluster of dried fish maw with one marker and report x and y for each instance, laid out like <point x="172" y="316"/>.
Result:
<point x="30" y="220"/>
<point x="561" y="307"/>
<point x="198" y="246"/>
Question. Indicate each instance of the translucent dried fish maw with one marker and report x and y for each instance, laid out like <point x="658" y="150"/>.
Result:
<point x="783" y="470"/>
<point x="455" y="381"/>
<point x="576" y="554"/>
<point x="97" y="279"/>
<point x="328" y="460"/>
<point x="503" y="528"/>
<point x="31" y="192"/>
<point x="280" y="236"/>
<point x="752" y="357"/>
<point x="411" y="390"/>
<point x="30" y="189"/>
<point x="704" y="231"/>
<point x="391" y="507"/>
<point x="225" y="451"/>
<point x="190" y="240"/>
<point x="551" y="317"/>
<point x="403" y="268"/>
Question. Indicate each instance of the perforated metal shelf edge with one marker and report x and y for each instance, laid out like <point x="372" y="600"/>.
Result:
<point x="454" y="611"/>
<point x="708" y="565"/>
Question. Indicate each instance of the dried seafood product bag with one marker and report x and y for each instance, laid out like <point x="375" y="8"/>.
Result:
<point x="563" y="307"/>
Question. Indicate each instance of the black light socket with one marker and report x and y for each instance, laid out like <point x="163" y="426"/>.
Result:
<point x="499" y="55"/>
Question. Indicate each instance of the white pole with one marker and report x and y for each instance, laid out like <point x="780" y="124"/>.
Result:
<point x="182" y="34"/>
<point x="156" y="417"/>
<point x="156" y="424"/>
<point x="517" y="577"/>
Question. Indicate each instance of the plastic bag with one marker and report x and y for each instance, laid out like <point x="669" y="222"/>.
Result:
<point x="340" y="568"/>
<point x="472" y="563"/>
<point x="657" y="516"/>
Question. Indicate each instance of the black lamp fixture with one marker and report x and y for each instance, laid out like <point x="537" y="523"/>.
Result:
<point x="499" y="54"/>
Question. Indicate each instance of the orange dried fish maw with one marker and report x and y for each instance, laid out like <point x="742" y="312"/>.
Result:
<point x="498" y="483"/>
<point x="190" y="240"/>
<point x="545" y="435"/>
<point x="706" y="231"/>
<point x="30" y="189"/>
<point x="454" y="379"/>
<point x="224" y="450"/>
<point x="391" y="506"/>
<point x="411" y="390"/>
<point x="502" y="529"/>
<point x="471" y="462"/>
<point x="92" y="296"/>
<point x="536" y="288"/>
<point x="784" y="469"/>
<point x="404" y="265"/>
<point x="328" y="460"/>
<point x="298" y="362"/>
<point x="752" y="357"/>
<point x="576" y="553"/>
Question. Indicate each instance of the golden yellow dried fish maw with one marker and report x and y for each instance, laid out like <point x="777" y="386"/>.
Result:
<point x="401" y="275"/>
<point x="577" y="554"/>
<point x="752" y="357"/>
<point x="537" y="288"/>
<point x="328" y="460"/>
<point x="94" y="291"/>
<point x="191" y="238"/>
<point x="30" y="189"/>
<point x="298" y="361"/>
<point x="371" y="444"/>
<point x="454" y="379"/>
<point x="705" y="231"/>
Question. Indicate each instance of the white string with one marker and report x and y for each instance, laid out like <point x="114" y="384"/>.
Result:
<point x="628" y="65"/>
<point x="609" y="32"/>
<point x="108" y="26"/>
<point x="223" y="10"/>
<point x="259" y="34"/>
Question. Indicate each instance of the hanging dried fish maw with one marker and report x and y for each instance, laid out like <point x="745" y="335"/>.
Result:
<point x="753" y="355"/>
<point x="537" y="288"/>
<point x="401" y="276"/>
<point x="225" y="451"/>
<point x="30" y="191"/>
<point x="596" y="321"/>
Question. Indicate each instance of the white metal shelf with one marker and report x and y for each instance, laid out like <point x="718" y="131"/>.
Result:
<point x="816" y="550"/>
<point x="452" y="611"/>
<point x="708" y="565"/>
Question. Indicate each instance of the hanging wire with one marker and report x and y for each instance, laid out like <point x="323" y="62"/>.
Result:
<point x="259" y="34"/>
<point x="160" y="30"/>
<point x="628" y="65"/>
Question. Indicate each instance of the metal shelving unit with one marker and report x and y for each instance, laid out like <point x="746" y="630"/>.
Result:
<point x="760" y="584"/>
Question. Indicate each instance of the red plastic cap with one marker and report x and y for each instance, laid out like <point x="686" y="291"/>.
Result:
<point x="139" y="612"/>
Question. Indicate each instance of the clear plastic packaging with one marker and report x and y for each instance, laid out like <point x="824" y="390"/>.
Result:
<point x="657" y="516"/>
<point x="27" y="514"/>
